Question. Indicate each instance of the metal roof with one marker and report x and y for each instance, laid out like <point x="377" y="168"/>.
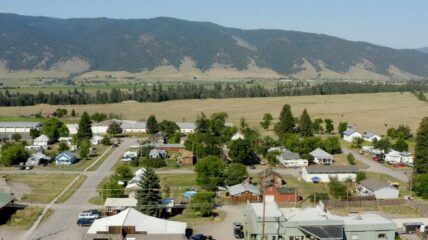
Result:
<point x="369" y="135"/>
<point x="331" y="169"/>
<point x="324" y="232"/>
<point x="20" y="124"/>
<point x="374" y="184"/>
<point x="348" y="132"/>
<point x="186" y="125"/>
<point x="134" y="125"/>
<point x="243" y="187"/>
<point x="319" y="153"/>
<point x="5" y="198"/>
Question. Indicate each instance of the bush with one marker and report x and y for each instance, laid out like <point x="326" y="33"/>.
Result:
<point x="351" y="159"/>
<point x="421" y="186"/>
<point x="317" y="196"/>
<point x="203" y="203"/>
<point x="153" y="162"/>
<point x="361" y="176"/>
<point x="337" y="189"/>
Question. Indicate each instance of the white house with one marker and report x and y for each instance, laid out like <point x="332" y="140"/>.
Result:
<point x="321" y="157"/>
<point x="66" y="140"/>
<point x="134" y="127"/>
<point x="320" y="173"/>
<point x="42" y="141"/>
<point x="377" y="188"/>
<point x="19" y="127"/>
<point x="65" y="158"/>
<point x="136" y="225"/>
<point x="291" y="159"/>
<point x="370" y="137"/>
<point x="350" y="134"/>
<point x="96" y="139"/>
<point x="72" y="128"/>
<point x="237" y="136"/>
<point x="187" y="127"/>
<point x="394" y="157"/>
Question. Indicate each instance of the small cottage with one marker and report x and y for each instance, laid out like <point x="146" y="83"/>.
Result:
<point x="370" y="137"/>
<point x="377" y="188"/>
<point x="42" y="141"/>
<point x="291" y="159"/>
<point x="65" y="158"/>
<point x="350" y="134"/>
<point x="96" y="139"/>
<point x="321" y="157"/>
<point x="37" y="158"/>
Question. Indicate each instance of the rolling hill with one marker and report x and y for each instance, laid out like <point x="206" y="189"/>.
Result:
<point x="172" y="48"/>
<point x="424" y="50"/>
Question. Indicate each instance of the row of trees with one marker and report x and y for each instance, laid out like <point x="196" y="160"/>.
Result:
<point x="158" y="93"/>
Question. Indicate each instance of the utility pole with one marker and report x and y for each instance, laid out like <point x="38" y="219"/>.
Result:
<point x="264" y="206"/>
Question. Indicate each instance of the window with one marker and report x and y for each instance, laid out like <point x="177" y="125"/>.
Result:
<point x="354" y="237"/>
<point x="381" y="236"/>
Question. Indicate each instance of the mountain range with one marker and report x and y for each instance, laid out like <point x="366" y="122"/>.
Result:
<point x="424" y="50"/>
<point x="172" y="48"/>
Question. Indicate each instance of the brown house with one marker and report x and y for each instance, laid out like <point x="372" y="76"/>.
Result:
<point x="270" y="177"/>
<point x="243" y="192"/>
<point x="281" y="194"/>
<point x="186" y="159"/>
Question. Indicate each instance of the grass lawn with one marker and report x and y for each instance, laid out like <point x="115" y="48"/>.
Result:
<point x="72" y="189"/>
<point x="96" y="165"/>
<point x="44" y="187"/>
<point x="23" y="219"/>
<point x="82" y="164"/>
<point x="341" y="159"/>
<point x="178" y="183"/>
<point x="192" y="219"/>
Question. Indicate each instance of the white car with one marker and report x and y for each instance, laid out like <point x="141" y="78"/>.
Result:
<point x="92" y="214"/>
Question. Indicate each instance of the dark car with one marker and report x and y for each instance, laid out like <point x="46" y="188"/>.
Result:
<point x="198" y="237"/>
<point x="85" y="221"/>
<point x="237" y="230"/>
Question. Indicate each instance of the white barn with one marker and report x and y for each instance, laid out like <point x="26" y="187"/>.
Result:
<point x="350" y="134"/>
<point x="320" y="173"/>
<point x="377" y="188"/>
<point x="19" y="127"/>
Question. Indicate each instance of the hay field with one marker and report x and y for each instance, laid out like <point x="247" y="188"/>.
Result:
<point x="366" y="112"/>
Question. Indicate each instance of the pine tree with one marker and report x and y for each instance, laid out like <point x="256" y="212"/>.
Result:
<point x="421" y="148"/>
<point x="152" y="125"/>
<point x="149" y="194"/>
<point x="114" y="129"/>
<point x="305" y="124"/>
<point x="84" y="131"/>
<point x="73" y="113"/>
<point x="286" y="122"/>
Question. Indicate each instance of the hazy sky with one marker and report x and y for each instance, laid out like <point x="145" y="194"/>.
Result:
<point x="394" y="23"/>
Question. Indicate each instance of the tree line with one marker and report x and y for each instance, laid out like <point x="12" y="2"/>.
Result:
<point x="160" y="93"/>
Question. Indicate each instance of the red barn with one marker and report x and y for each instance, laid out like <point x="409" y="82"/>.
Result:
<point x="281" y="194"/>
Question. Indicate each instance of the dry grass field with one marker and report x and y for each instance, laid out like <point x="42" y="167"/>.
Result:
<point x="366" y="112"/>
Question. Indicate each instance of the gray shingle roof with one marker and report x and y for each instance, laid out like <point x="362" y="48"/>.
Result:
<point x="348" y="132"/>
<point x="374" y="184"/>
<point x="67" y="154"/>
<point x="20" y="124"/>
<point x="319" y="153"/>
<point x="134" y="125"/>
<point x="331" y="169"/>
<point x="369" y="134"/>
<point x="289" y="155"/>
<point x="243" y="187"/>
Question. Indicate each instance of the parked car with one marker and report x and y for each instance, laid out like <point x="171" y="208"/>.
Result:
<point x="198" y="237"/>
<point x="237" y="230"/>
<point x="85" y="221"/>
<point x="90" y="214"/>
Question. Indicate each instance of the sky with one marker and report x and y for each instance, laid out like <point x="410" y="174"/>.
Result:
<point x="392" y="23"/>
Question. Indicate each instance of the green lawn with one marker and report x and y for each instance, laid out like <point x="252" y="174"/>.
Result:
<point x="23" y="219"/>
<point x="44" y="187"/>
<point x="178" y="183"/>
<point x="96" y="165"/>
<point x="341" y="159"/>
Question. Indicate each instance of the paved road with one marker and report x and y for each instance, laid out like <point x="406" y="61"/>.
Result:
<point x="62" y="223"/>
<point x="377" y="167"/>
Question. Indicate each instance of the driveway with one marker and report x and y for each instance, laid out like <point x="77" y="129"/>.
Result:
<point x="377" y="167"/>
<point x="224" y="230"/>
<point x="62" y="223"/>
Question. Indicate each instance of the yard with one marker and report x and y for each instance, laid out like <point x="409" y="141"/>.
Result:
<point x="341" y="159"/>
<point x="44" y="187"/>
<point x="178" y="183"/>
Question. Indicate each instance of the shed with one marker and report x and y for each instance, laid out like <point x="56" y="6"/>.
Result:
<point x="378" y="188"/>
<point x="244" y="192"/>
<point x="5" y="199"/>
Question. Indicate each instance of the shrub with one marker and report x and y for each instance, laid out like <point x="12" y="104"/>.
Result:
<point x="351" y="159"/>
<point x="153" y="162"/>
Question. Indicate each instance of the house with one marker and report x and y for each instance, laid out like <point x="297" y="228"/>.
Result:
<point x="321" y="173"/>
<point x="157" y="153"/>
<point x="237" y="136"/>
<point x="132" y="224"/>
<point x="269" y="176"/>
<point x="72" y="128"/>
<point x="370" y="137"/>
<point x="66" y="140"/>
<point x="187" y="127"/>
<point x="377" y="188"/>
<point x="157" y="138"/>
<point x="321" y="157"/>
<point x="186" y="159"/>
<point x="36" y="159"/>
<point x="130" y="154"/>
<point x="350" y="134"/>
<point x="281" y="194"/>
<point x="134" y="127"/>
<point x="243" y="192"/>
<point x="313" y="223"/>
<point x="394" y="157"/>
<point x="132" y="186"/>
<point x="5" y="200"/>
<point x="19" y="127"/>
<point x="65" y="158"/>
<point x="42" y="141"/>
<point x="114" y="206"/>
<point x="291" y="159"/>
<point x="96" y="139"/>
